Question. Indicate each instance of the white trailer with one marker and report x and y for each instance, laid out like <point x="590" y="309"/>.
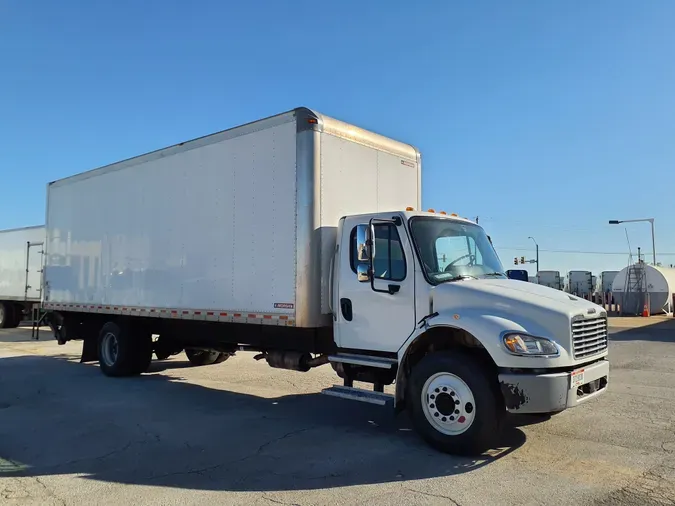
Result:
<point x="579" y="283"/>
<point x="550" y="279"/>
<point x="21" y="252"/>
<point x="300" y="237"/>
<point x="604" y="282"/>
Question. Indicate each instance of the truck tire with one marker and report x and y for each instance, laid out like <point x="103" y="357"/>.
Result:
<point x="201" y="357"/>
<point x="17" y="317"/>
<point x="454" y="404"/>
<point x="143" y="343"/>
<point x="121" y="352"/>
<point x="222" y="357"/>
<point x="6" y="315"/>
<point x="164" y="348"/>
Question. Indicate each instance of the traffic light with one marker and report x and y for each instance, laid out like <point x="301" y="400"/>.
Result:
<point x="522" y="260"/>
<point x="515" y="260"/>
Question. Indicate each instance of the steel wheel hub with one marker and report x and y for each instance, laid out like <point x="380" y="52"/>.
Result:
<point x="448" y="403"/>
<point x="109" y="349"/>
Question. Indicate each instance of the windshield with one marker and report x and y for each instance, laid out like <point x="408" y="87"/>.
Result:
<point x="450" y="250"/>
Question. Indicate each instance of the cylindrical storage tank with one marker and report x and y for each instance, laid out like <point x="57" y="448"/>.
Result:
<point x="660" y="282"/>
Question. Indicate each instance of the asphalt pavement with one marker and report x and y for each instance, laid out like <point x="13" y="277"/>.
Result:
<point x="243" y="433"/>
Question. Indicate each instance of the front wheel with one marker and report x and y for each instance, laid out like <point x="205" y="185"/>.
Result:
<point x="455" y="405"/>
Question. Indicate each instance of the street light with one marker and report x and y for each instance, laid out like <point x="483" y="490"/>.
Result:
<point x="535" y="243"/>
<point x="650" y="220"/>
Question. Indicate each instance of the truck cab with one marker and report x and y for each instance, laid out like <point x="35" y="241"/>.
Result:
<point x="428" y="293"/>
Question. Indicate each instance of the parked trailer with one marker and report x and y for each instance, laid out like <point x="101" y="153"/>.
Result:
<point x="604" y="282"/>
<point x="286" y="237"/>
<point x="550" y="279"/>
<point x="21" y="252"/>
<point x="579" y="283"/>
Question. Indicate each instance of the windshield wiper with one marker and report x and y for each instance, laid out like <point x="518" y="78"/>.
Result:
<point x="494" y="274"/>
<point x="459" y="278"/>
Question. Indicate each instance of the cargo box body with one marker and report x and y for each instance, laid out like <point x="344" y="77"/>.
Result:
<point x="21" y="263"/>
<point x="550" y="279"/>
<point x="239" y="226"/>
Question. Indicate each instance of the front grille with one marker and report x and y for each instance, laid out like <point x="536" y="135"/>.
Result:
<point x="589" y="337"/>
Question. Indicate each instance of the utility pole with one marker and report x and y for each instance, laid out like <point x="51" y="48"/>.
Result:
<point x="537" y="249"/>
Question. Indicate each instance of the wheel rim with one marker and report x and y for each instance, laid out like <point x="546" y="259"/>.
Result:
<point x="109" y="349"/>
<point x="2" y="314"/>
<point x="448" y="404"/>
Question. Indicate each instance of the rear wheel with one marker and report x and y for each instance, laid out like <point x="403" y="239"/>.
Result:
<point x="122" y="352"/>
<point x="6" y="315"/>
<point x="202" y="357"/>
<point x="17" y="317"/>
<point x="222" y="357"/>
<point x="454" y="404"/>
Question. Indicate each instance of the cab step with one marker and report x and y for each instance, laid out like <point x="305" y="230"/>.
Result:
<point x="364" y="360"/>
<point x="359" y="394"/>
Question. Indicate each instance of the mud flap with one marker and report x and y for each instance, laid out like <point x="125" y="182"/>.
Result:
<point x="89" y="351"/>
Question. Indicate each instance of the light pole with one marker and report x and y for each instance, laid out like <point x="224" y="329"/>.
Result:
<point x="650" y="220"/>
<point x="535" y="243"/>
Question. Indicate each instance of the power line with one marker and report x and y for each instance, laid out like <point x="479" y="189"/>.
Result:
<point x="578" y="252"/>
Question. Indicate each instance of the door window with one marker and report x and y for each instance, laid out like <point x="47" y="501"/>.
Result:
<point x="389" y="261"/>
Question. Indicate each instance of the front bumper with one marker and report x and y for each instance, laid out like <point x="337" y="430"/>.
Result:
<point x="549" y="393"/>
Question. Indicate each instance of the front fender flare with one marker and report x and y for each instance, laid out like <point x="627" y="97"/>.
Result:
<point x="485" y="328"/>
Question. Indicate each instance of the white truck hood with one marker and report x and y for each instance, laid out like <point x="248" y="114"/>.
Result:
<point x="509" y="292"/>
<point x="521" y="292"/>
<point x="506" y="304"/>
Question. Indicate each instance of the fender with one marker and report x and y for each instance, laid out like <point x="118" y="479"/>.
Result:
<point x="485" y="328"/>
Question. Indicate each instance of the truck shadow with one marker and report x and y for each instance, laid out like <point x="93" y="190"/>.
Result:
<point x="61" y="417"/>
<point x="654" y="329"/>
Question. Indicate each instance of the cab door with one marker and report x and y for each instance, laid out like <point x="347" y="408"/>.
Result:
<point x="376" y="316"/>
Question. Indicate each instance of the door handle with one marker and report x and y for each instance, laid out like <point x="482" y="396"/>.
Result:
<point x="346" y="308"/>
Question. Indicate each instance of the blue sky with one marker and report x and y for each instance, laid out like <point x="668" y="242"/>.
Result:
<point x="543" y="119"/>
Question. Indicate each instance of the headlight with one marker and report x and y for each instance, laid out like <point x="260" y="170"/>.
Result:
<point x="522" y="344"/>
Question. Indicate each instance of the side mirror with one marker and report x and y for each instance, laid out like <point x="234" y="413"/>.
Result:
<point x="362" y="273"/>
<point x="362" y="243"/>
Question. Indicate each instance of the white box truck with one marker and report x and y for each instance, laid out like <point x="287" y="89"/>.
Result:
<point x="21" y="254"/>
<point x="300" y="237"/>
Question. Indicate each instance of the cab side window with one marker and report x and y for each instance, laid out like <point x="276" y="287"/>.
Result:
<point x="389" y="258"/>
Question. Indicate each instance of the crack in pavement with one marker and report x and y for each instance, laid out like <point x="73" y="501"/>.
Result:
<point x="86" y="459"/>
<point x="49" y="492"/>
<point x="258" y="451"/>
<point x="429" y="494"/>
<point x="280" y="502"/>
